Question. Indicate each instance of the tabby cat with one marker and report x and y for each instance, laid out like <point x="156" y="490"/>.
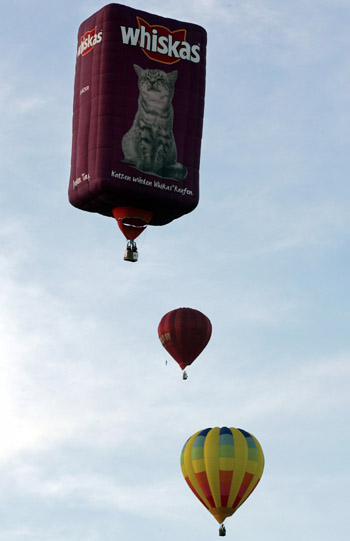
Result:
<point x="150" y="143"/>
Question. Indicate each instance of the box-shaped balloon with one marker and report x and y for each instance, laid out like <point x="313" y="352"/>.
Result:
<point x="137" y="114"/>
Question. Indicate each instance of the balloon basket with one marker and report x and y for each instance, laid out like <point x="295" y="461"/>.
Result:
<point x="222" y="531"/>
<point x="131" y="253"/>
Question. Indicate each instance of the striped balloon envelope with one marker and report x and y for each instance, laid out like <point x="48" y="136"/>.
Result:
<point x="222" y="466"/>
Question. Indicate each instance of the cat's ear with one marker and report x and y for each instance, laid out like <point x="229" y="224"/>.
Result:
<point x="138" y="70"/>
<point x="172" y="76"/>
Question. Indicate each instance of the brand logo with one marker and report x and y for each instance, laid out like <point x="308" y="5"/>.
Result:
<point x="165" y="338"/>
<point x="161" y="44"/>
<point x="88" y="41"/>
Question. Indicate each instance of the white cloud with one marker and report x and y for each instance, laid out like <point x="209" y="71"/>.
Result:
<point x="106" y="492"/>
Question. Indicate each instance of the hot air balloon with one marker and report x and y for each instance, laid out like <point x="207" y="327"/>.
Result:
<point x="184" y="333"/>
<point x="137" y="118"/>
<point x="222" y="466"/>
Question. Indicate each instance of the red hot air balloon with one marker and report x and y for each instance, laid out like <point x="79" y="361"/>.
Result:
<point x="184" y="333"/>
<point x="137" y="118"/>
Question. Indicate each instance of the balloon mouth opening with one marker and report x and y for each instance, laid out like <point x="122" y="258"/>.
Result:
<point x="132" y="221"/>
<point x="132" y="227"/>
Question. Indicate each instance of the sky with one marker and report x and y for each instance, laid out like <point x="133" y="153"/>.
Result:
<point x="92" y="419"/>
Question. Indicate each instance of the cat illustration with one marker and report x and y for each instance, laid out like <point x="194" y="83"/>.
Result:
<point x="150" y="143"/>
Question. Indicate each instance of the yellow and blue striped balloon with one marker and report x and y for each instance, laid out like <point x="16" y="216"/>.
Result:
<point x="222" y="466"/>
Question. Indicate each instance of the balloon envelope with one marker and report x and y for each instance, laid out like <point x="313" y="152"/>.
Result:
<point x="184" y="333"/>
<point x="222" y="466"/>
<point x="137" y="114"/>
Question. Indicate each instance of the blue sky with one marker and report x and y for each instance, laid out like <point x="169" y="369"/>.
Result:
<point x="92" y="420"/>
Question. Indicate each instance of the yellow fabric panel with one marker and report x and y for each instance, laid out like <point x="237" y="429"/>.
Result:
<point x="261" y="461"/>
<point x="226" y="464"/>
<point x="258" y="471"/>
<point x="239" y="464"/>
<point x="211" y="459"/>
<point x="188" y="470"/>
<point x="251" y="466"/>
<point x="198" y="465"/>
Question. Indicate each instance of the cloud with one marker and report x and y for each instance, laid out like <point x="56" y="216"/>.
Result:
<point x="280" y="218"/>
<point x="16" y="99"/>
<point x="104" y="492"/>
